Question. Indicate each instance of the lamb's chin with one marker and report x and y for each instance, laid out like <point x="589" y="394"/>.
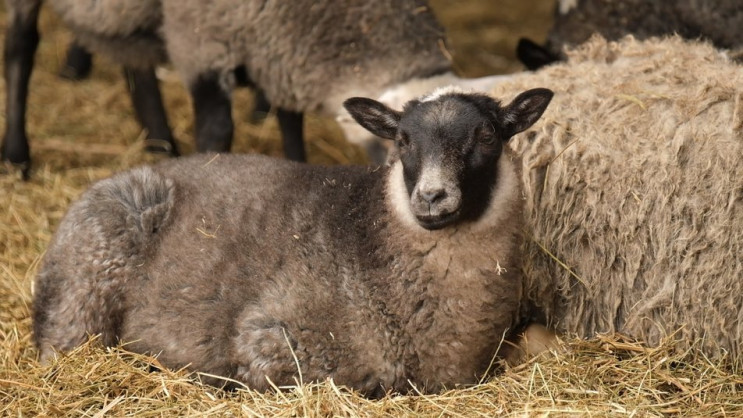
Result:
<point x="433" y="223"/>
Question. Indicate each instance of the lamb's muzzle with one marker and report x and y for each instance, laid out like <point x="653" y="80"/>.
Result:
<point x="436" y="200"/>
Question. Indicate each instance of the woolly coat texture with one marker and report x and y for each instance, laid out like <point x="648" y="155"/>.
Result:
<point x="128" y="32"/>
<point x="634" y="182"/>
<point x="188" y="261"/>
<point x="306" y="55"/>
<point x="717" y="21"/>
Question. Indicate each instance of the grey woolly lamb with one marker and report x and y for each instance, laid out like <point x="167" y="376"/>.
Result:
<point x="375" y="277"/>
<point x="717" y="21"/>
<point x="634" y="182"/>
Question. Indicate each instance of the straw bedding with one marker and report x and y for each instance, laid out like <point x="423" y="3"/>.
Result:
<point x="606" y="376"/>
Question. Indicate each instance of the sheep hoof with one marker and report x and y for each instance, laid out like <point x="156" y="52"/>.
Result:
<point x="72" y="73"/>
<point x="21" y="170"/>
<point x="160" y="146"/>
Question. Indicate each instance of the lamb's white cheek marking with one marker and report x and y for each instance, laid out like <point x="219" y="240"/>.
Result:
<point x="567" y="5"/>
<point x="398" y="195"/>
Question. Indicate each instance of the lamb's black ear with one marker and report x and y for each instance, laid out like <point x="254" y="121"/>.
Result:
<point x="525" y="109"/>
<point x="374" y="116"/>
<point x="534" y="56"/>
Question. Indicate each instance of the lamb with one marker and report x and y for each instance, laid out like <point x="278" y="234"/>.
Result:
<point x="375" y="277"/>
<point x="718" y="21"/>
<point x="125" y="31"/>
<point x="633" y="181"/>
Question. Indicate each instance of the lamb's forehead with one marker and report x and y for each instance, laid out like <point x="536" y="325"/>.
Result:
<point x="444" y="107"/>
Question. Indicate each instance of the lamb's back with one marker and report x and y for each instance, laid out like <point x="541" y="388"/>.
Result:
<point x="252" y="236"/>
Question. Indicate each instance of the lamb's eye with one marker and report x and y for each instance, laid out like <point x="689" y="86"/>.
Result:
<point x="485" y="135"/>
<point x="487" y="138"/>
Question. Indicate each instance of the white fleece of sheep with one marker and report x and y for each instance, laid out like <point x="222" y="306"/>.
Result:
<point x="634" y="181"/>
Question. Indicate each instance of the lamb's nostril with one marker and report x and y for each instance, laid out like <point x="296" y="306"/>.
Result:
<point x="433" y="195"/>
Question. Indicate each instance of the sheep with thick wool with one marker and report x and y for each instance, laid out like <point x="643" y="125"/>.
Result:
<point x="633" y="183"/>
<point x="716" y="21"/>
<point x="307" y="56"/>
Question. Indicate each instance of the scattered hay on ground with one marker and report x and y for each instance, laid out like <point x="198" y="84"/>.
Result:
<point x="605" y="376"/>
<point x="608" y="376"/>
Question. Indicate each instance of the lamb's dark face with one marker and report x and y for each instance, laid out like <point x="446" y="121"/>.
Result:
<point x="448" y="151"/>
<point x="449" y="145"/>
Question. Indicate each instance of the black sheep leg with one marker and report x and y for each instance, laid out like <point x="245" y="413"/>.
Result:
<point x="213" y="114"/>
<point x="261" y="108"/>
<point x="534" y="56"/>
<point x="77" y="63"/>
<point x="21" y="40"/>
<point x="290" y="124"/>
<point x="148" y="106"/>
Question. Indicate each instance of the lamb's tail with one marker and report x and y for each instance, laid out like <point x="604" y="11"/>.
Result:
<point x="97" y="251"/>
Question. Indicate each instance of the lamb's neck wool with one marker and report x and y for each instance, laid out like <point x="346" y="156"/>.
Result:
<point x="456" y="288"/>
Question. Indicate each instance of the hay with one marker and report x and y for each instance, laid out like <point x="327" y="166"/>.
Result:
<point x="607" y="376"/>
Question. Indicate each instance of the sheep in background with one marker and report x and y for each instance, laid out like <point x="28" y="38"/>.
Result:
<point x="376" y="277"/>
<point x="718" y="21"/>
<point x="634" y="182"/>
<point x="125" y="31"/>
<point x="307" y="56"/>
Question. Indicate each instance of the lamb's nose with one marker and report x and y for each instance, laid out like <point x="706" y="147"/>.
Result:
<point x="432" y="196"/>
